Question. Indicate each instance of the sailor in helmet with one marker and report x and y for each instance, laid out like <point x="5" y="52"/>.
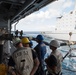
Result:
<point x="54" y="61"/>
<point x="21" y="58"/>
<point x="41" y="51"/>
<point x="27" y="44"/>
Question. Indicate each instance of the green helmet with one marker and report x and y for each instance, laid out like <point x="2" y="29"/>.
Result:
<point x="16" y="41"/>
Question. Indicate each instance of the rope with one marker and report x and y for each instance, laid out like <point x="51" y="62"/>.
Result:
<point x="69" y="52"/>
<point x="69" y="69"/>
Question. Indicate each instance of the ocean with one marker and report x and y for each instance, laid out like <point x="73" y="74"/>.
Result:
<point x="69" y="63"/>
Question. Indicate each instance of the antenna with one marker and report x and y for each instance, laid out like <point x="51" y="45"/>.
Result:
<point x="75" y="6"/>
<point x="75" y="13"/>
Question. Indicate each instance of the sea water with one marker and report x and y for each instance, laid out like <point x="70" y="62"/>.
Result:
<point x="69" y="63"/>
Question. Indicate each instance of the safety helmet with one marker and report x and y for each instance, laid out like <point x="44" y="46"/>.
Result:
<point x="31" y="42"/>
<point x="54" y="43"/>
<point x="16" y="41"/>
<point x="25" y="40"/>
<point x="39" y="37"/>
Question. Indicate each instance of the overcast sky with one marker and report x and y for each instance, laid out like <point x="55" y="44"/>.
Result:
<point x="45" y="18"/>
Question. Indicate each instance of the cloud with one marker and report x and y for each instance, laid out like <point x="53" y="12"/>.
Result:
<point x="68" y="3"/>
<point x="39" y="15"/>
<point x="45" y="17"/>
<point x="52" y="10"/>
<point x="35" y="28"/>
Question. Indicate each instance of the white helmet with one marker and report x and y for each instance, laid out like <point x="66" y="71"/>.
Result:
<point x="54" y="43"/>
<point x="16" y="41"/>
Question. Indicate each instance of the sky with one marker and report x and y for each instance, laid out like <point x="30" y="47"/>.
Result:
<point x="45" y="19"/>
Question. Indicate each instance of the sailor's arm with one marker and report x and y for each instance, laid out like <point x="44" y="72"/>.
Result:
<point x="11" y="65"/>
<point x="36" y="64"/>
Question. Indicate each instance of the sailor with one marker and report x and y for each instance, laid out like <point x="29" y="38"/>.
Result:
<point x="22" y="59"/>
<point x="54" y="61"/>
<point x="41" y="51"/>
<point x="26" y="43"/>
<point x="31" y="43"/>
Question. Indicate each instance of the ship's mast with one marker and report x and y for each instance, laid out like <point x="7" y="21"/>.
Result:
<point x="75" y="13"/>
<point x="75" y="4"/>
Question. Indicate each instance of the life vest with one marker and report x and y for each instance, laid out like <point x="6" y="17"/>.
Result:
<point x="3" y="69"/>
<point x="59" y="58"/>
<point x="23" y="60"/>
